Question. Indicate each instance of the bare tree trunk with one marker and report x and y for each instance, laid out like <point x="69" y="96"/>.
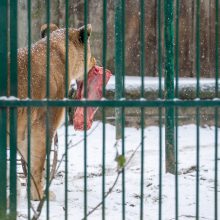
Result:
<point x="22" y="22"/>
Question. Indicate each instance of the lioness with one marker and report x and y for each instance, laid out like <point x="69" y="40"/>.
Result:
<point x="38" y="91"/>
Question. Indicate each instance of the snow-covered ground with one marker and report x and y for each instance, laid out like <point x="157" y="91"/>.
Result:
<point x="187" y="176"/>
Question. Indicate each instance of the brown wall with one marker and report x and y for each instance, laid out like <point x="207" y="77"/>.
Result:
<point x="186" y="32"/>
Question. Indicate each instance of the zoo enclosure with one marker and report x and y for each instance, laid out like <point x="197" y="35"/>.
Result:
<point x="168" y="101"/>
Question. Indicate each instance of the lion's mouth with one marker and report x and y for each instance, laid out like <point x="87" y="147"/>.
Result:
<point x="94" y="92"/>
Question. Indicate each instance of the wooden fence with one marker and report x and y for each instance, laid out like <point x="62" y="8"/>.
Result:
<point x="186" y="31"/>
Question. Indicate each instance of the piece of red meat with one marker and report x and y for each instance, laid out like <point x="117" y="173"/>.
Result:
<point x="94" y="92"/>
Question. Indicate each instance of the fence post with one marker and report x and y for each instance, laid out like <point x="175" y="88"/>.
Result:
<point x="169" y="85"/>
<point x="118" y="65"/>
<point x="119" y="78"/>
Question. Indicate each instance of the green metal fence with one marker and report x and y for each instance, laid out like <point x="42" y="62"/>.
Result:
<point x="170" y="102"/>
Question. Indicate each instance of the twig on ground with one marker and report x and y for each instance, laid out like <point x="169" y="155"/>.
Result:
<point x="37" y="212"/>
<point x="119" y="171"/>
<point x="106" y="195"/>
<point x="41" y="203"/>
<point x="70" y="145"/>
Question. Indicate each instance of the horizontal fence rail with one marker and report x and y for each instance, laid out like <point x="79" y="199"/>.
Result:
<point x="110" y="103"/>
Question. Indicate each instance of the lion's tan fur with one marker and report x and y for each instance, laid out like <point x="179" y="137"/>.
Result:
<point x="38" y="91"/>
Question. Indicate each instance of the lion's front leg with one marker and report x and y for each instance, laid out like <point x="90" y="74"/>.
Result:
<point x="38" y="156"/>
<point x="37" y="183"/>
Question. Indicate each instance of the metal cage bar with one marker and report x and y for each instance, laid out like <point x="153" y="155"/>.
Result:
<point x="169" y="84"/>
<point x="66" y="109"/>
<point x="104" y="56"/>
<point x="118" y="63"/>
<point x="197" y="109"/>
<point x="142" y="74"/>
<point x="3" y="111"/>
<point x="48" y="135"/>
<point x="112" y="103"/>
<point x="177" y="110"/>
<point x="85" y="109"/>
<point x="160" y="96"/>
<point x="13" y="111"/>
<point x="216" y="151"/>
<point x="29" y="112"/>
<point x="123" y="7"/>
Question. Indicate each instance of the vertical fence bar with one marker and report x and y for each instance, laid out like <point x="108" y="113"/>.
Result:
<point x="176" y="109"/>
<point x="123" y="47"/>
<point x="197" y="109"/>
<point x="48" y="135"/>
<point x="118" y="65"/>
<point x="119" y="78"/>
<point x="103" y="161"/>
<point x="197" y="48"/>
<point x="13" y="111"/>
<point x="142" y="73"/>
<point x="160" y="109"/>
<point x="216" y="109"/>
<point x="66" y="112"/>
<point x="123" y="108"/>
<point x="123" y="170"/>
<point x="119" y="81"/>
<point x="169" y="85"/>
<point x="3" y="112"/>
<point x="85" y="109"/>
<point x="104" y="53"/>
<point x="29" y="113"/>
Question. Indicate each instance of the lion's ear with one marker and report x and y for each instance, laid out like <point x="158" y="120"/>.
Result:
<point x="44" y="29"/>
<point x="82" y="31"/>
